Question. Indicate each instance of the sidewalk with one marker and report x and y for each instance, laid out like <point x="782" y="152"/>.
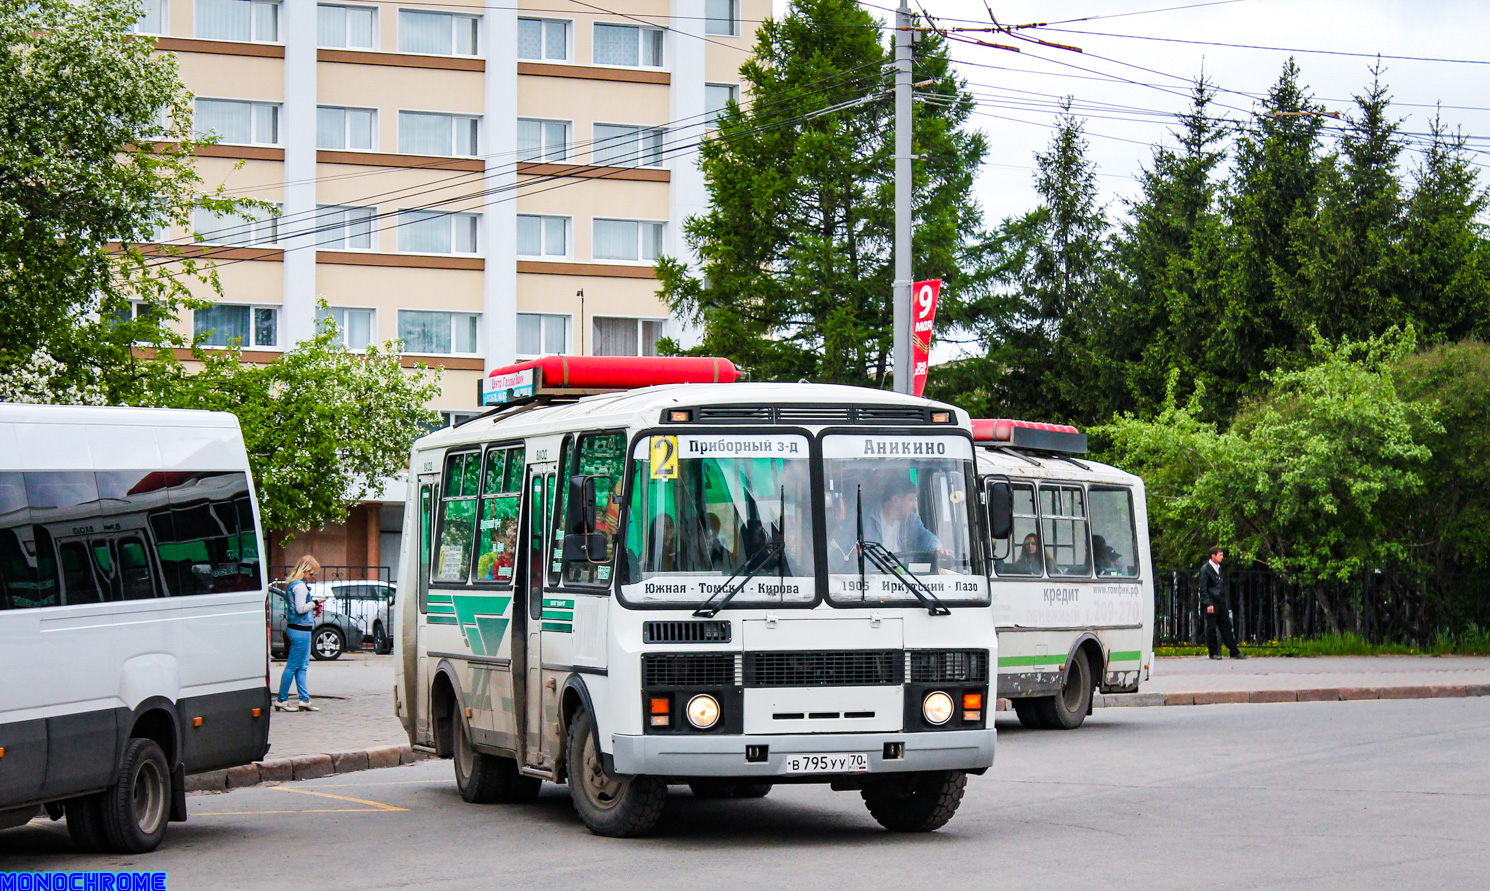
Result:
<point x="356" y="729"/>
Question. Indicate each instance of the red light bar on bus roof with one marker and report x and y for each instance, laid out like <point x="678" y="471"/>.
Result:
<point x="1030" y="435"/>
<point x="579" y="375"/>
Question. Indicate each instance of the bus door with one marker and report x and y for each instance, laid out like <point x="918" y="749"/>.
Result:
<point x="416" y="687"/>
<point x="537" y="519"/>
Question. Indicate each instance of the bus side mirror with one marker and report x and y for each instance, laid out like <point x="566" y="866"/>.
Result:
<point x="1000" y="510"/>
<point x="581" y="541"/>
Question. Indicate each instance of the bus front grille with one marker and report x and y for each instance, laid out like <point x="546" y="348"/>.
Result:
<point x="949" y="666"/>
<point x="688" y="669"/>
<point x="686" y="632"/>
<point x="832" y="668"/>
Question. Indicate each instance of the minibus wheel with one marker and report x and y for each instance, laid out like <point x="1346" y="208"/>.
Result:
<point x="488" y="779"/>
<point x="135" y="809"/>
<point x="1067" y="709"/>
<point x="608" y="806"/>
<point x="918" y="802"/>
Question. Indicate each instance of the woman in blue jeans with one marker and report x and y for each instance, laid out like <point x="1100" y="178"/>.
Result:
<point x="299" y="622"/>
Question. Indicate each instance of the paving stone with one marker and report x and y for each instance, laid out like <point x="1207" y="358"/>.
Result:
<point x="1321" y="694"/>
<point x="1179" y="698"/>
<point x="1349" y="693"/>
<point x="212" y="781"/>
<point x="1413" y="692"/>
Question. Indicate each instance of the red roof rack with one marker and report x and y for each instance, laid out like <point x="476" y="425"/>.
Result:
<point x="584" y="375"/>
<point x="1033" y="435"/>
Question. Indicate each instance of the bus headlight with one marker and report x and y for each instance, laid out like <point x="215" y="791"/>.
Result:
<point x="703" y="711"/>
<point x="937" y="707"/>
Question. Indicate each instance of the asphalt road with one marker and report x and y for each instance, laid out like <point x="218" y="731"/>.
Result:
<point x="1375" y="794"/>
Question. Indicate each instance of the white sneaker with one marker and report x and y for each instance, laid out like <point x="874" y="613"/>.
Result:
<point x="307" y="707"/>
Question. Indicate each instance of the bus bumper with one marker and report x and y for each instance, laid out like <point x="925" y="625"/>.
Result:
<point x="683" y="755"/>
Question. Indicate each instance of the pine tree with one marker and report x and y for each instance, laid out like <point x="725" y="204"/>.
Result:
<point x="1051" y="263"/>
<point x="795" y="251"/>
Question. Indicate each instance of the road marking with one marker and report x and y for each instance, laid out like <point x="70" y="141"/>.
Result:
<point x="373" y="807"/>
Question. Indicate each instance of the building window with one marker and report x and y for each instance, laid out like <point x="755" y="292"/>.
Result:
<point x="438" y="232"/>
<point x="629" y="240"/>
<point x="252" y="226"/>
<point x="543" y="40"/>
<point x="542" y="236"/>
<point x="423" y="133"/>
<point x="437" y="333"/>
<point x="345" y="228"/>
<point x="238" y="123"/>
<point x="154" y="18"/>
<point x="624" y="146"/>
<point x="437" y="33"/>
<point x="345" y="27"/>
<point x="716" y="98"/>
<point x="251" y="20"/>
<point x="722" y="17"/>
<point x="354" y="327"/>
<point x="626" y="337"/>
<point x="346" y="128"/>
<point x="541" y="334"/>
<point x="542" y="140"/>
<point x="226" y="325"/>
<point x="628" y="45"/>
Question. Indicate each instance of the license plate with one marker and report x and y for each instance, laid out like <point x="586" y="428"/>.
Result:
<point x="831" y="762"/>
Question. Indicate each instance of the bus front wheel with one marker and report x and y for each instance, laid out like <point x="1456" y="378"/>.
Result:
<point x="608" y="806"/>
<point x="920" y="802"/>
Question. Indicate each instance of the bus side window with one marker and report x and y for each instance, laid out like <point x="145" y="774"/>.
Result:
<point x="558" y="496"/>
<point x="496" y="545"/>
<point x="1063" y="524"/>
<point x="457" y="526"/>
<point x="1114" y="539"/>
<point x="426" y="517"/>
<point x="601" y="455"/>
<point x="134" y="569"/>
<point x="1021" y="553"/>
<point x="78" y="578"/>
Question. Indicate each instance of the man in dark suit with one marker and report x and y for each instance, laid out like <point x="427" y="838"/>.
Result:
<point x="1213" y="601"/>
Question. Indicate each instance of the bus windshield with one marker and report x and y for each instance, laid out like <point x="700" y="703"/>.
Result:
<point x="705" y="507"/>
<point x="908" y="496"/>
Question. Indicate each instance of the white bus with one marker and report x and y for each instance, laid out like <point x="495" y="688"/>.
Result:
<point x="132" y="626"/>
<point x="720" y="585"/>
<point x="1070" y="572"/>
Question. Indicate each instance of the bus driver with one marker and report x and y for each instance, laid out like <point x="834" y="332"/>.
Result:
<point x="895" y="521"/>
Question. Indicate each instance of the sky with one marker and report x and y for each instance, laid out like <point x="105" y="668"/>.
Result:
<point x="1130" y="89"/>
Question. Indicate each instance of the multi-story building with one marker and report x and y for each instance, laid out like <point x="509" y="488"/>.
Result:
<point x="486" y="182"/>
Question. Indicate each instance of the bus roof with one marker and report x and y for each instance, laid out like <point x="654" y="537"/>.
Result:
<point x="999" y="462"/>
<point x="644" y="407"/>
<point x="83" y="437"/>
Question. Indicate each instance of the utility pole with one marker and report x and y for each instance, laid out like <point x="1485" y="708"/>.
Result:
<point x="901" y="294"/>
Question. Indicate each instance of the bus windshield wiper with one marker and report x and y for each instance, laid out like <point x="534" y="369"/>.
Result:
<point x="885" y="561"/>
<point x="744" y="572"/>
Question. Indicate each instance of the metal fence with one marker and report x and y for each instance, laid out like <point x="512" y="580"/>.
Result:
<point x="1379" y="606"/>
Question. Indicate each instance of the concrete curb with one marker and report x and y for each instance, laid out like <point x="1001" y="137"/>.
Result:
<point x="1317" y="694"/>
<point x="302" y="767"/>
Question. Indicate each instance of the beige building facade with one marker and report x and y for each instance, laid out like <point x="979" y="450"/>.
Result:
<point x="486" y="182"/>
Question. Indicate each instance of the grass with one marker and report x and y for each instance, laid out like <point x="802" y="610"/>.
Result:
<point x="1473" y="641"/>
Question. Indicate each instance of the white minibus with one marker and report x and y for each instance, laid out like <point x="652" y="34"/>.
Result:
<point x="132" y="616"/>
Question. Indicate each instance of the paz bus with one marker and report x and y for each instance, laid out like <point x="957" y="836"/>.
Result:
<point x="132" y="616"/>
<point x="683" y="579"/>
<point x="1070" y="573"/>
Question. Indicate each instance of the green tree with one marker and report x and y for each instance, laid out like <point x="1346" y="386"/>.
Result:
<point x="1443" y="259"/>
<point x="323" y="425"/>
<point x="1271" y="196"/>
<point x="1049" y="266"/>
<point x="1302" y="480"/>
<point x="795" y="265"/>
<point x="1163" y="299"/>
<point x="88" y="172"/>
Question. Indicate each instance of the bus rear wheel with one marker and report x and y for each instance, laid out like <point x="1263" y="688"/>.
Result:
<point x="134" y="810"/>
<point x="920" y="802"/>
<point x="1068" y="709"/>
<point x="608" y="806"/>
<point x="488" y="779"/>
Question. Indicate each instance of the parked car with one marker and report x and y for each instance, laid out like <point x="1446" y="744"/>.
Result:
<point x="332" y="633"/>
<point x="370" y="601"/>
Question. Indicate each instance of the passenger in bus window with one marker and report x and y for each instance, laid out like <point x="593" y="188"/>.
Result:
<point x="896" y="523"/>
<point x="1104" y="557"/>
<point x="1029" y="561"/>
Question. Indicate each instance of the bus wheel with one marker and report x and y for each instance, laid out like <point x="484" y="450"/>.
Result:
<point x="1067" y="709"/>
<point x="136" y="807"/>
<point x="1029" y="713"/>
<point x="85" y="823"/>
<point x="609" y="806"/>
<point x="918" y="802"/>
<point x="488" y="779"/>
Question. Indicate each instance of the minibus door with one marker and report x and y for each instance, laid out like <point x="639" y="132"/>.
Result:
<point x="415" y="664"/>
<point x="537" y="520"/>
